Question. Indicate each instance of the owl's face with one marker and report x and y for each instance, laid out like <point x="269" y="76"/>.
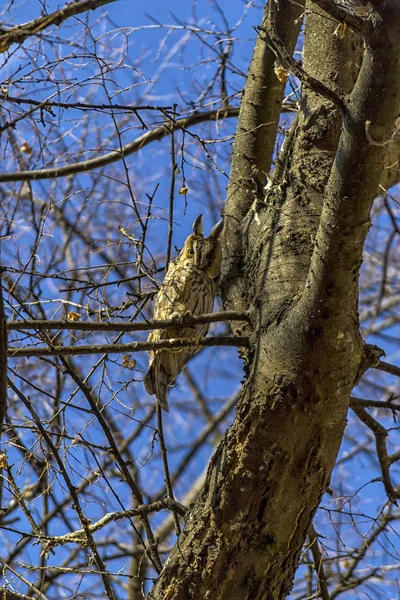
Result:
<point x="203" y="253"/>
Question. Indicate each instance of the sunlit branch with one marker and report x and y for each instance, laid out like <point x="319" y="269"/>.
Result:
<point x="78" y="537"/>
<point x="7" y="595"/>
<point x="19" y="33"/>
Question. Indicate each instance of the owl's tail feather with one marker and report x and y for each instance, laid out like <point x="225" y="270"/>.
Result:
<point x="156" y="382"/>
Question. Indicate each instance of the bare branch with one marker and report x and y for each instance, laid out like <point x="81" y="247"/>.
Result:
<point x="78" y="536"/>
<point x="3" y="357"/>
<point x="318" y="563"/>
<point x="116" y="326"/>
<point x="167" y="476"/>
<point x="131" y="347"/>
<point x="388" y="368"/>
<point x="72" y="490"/>
<point x="380" y="434"/>
<point x="155" y="134"/>
<point x="20" y="33"/>
<point x="364" y="403"/>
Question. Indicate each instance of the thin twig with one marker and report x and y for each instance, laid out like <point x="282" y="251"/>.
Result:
<point x="171" y="196"/>
<point x="167" y="477"/>
<point x="366" y="403"/>
<point x="3" y="357"/>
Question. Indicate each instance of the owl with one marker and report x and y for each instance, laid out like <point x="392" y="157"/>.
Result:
<point x="189" y="288"/>
<point x="358" y="8"/>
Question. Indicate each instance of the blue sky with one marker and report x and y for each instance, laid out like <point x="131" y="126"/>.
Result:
<point x="182" y="80"/>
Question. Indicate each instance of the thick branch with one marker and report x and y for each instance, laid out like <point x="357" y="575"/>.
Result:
<point x="6" y="594"/>
<point x="20" y="33"/>
<point x="254" y="145"/>
<point x="352" y="187"/>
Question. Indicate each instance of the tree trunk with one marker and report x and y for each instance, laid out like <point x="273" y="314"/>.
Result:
<point x="298" y="250"/>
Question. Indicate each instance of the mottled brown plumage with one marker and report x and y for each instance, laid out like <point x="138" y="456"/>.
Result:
<point x="189" y="288"/>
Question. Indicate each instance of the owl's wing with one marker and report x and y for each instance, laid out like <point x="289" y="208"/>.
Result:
<point x="184" y="289"/>
<point x="173" y="293"/>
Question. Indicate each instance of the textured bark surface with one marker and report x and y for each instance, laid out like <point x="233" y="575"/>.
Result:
<point x="253" y="149"/>
<point x="300" y="250"/>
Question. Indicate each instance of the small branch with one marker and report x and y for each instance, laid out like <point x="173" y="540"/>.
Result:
<point x="132" y="347"/>
<point x="20" y="33"/>
<point x="380" y="434"/>
<point x="158" y="133"/>
<point x="128" y="327"/>
<point x="3" y="358"/>
<point x="79" y="536"/>
<point x="388" y="368"/>
<point x="318" y="563"/>
<point x="364" y="403"/>
<point x="6" y="594"/>
<point x="167" y="476"/>
<point x="171" y="197"/>
<point x="81" y="105"/>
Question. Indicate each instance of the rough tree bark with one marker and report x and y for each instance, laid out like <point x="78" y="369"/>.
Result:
<point x="299" y="250"/>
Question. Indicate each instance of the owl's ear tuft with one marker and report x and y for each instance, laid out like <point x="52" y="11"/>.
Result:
<point x="216" y="230"/>
<point x="198" y="225"/>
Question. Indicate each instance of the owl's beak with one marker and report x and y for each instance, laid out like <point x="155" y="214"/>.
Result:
<point x="216" y="230"/>
<point x="198" y="225"/>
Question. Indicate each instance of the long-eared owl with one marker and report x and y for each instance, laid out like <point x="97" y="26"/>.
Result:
<point x="189" y="288"/>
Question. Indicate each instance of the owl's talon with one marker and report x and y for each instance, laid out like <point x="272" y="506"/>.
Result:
<point x="179" y="317"/>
